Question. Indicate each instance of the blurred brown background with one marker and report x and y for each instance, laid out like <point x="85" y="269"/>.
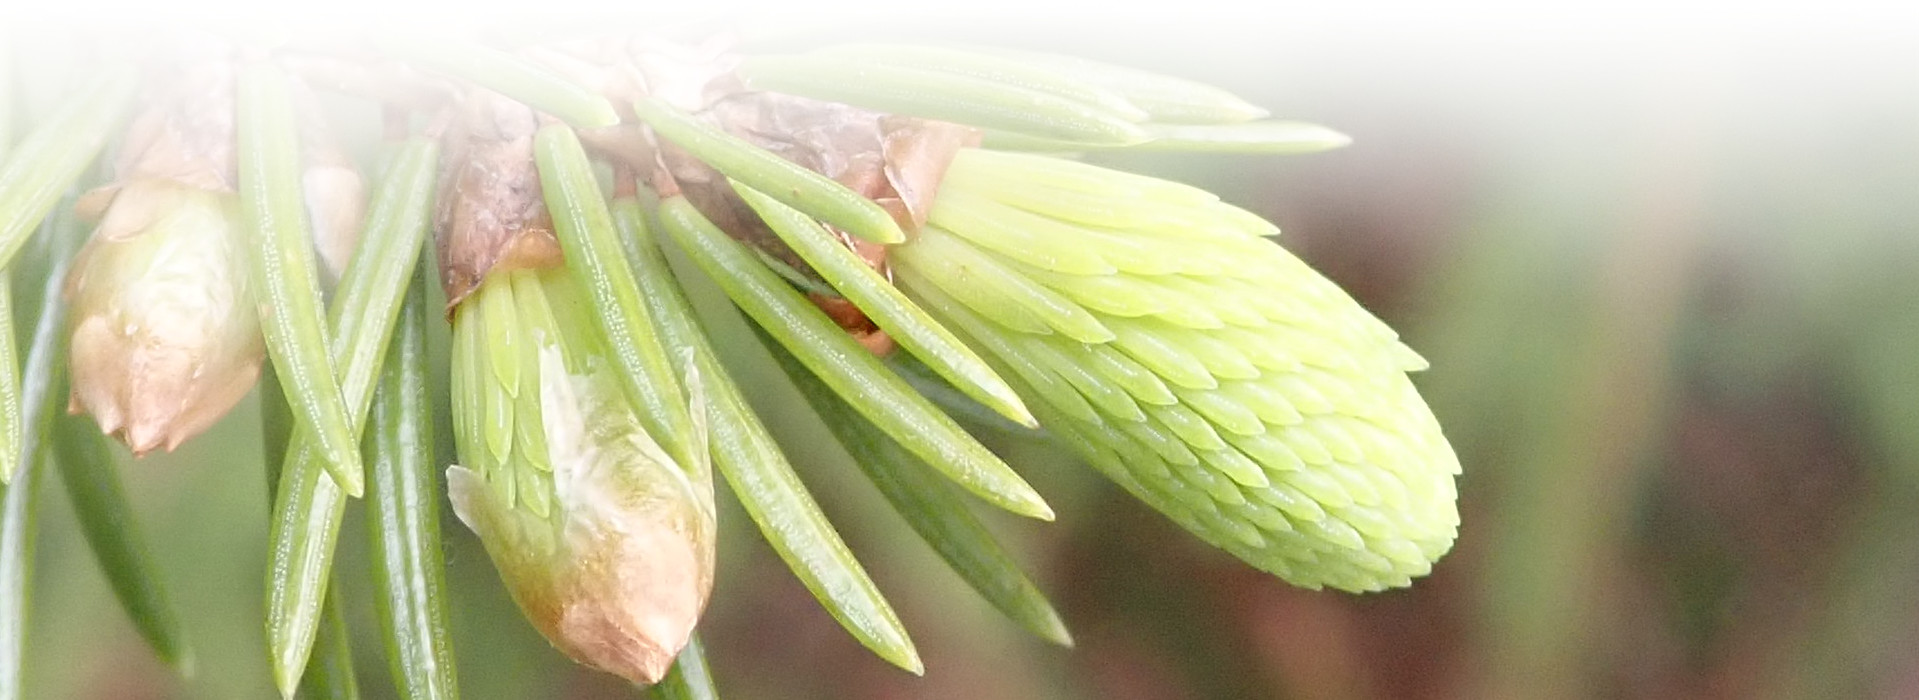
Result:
<point x="1663" y="263"/>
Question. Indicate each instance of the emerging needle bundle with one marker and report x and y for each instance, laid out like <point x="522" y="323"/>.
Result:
<point x="1209" y="372"/>
<point x="605" y="540"/>
<point x="1146" y="325"/>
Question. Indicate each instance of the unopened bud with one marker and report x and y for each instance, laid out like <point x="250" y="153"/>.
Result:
<point x="603" y="539"/>
<point x="165" y="339"/>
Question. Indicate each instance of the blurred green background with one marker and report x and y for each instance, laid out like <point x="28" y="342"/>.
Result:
<point x="1663" y="264"/>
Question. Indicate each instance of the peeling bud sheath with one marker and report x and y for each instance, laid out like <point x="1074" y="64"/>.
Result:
<point x="895" y="161"/>
<point x="489" y="208"/>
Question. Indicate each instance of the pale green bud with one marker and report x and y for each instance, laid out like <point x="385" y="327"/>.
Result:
<point x="604" y="541"/>
<point x="1200" y="366"/>
<point x="165" y="337"/>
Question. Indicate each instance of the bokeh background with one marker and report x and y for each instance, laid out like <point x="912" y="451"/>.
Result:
<point x="1665" y="264"/>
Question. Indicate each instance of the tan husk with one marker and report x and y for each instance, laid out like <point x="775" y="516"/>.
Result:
<point x="895" y="161"/>
<point x="489" y="210"/>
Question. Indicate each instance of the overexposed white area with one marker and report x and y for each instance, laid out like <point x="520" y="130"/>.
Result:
<point x="1547" y="35"/>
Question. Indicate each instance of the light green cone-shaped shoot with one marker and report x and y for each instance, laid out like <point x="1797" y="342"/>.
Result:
<point x="1238" y="391"/>
<point x="605" y="542"/>
<point x="166" y="332"/>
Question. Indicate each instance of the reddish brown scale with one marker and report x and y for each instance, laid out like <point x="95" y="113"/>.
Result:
<point x="895" y="161"/>
<point x="490" y="211"/>
<point x="851" y="318"/>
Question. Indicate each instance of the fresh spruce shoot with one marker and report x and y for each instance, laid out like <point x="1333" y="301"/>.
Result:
<point x="857" y="203"/>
